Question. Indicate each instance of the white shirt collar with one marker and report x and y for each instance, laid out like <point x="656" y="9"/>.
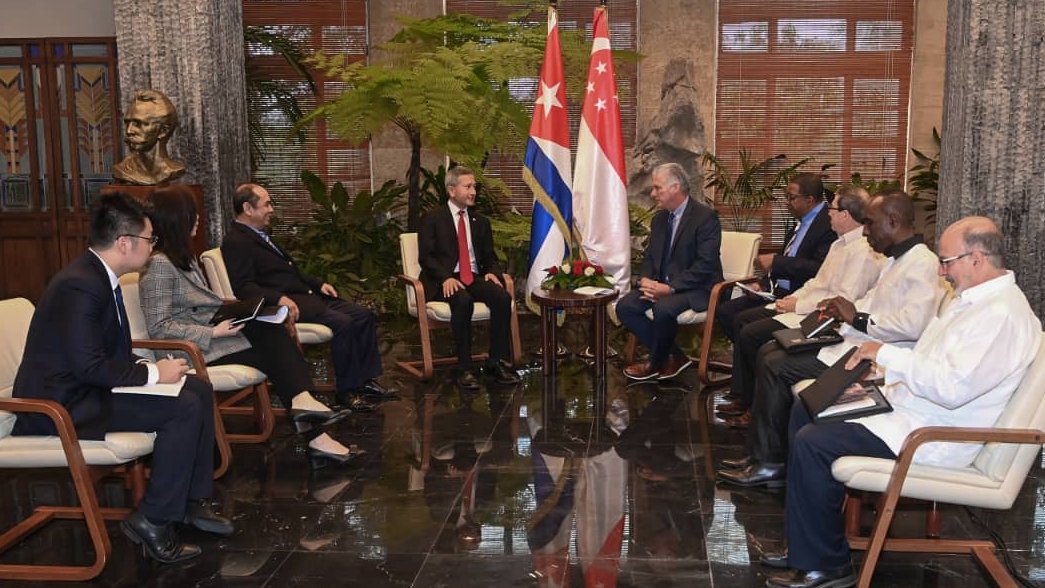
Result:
<point x="114" y="280"/>
<point x="852" y="235"/>
<point x="988" y="289"/>
<point x="454" y="208"/>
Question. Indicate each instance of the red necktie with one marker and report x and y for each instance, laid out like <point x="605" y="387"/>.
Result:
<point x="463" y="260"/>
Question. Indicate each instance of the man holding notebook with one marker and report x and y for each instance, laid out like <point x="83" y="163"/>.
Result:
<point x="79" y="348"/>
<point x="849" y="270"/>
<point x="903" y="301"/>
<point x="961" y="373"/>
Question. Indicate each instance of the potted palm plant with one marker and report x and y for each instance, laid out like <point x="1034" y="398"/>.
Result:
<point x="750" y="188"/>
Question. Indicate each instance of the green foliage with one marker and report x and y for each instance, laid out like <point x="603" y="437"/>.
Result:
<point x="353" y="245"/>
<point x="874" y="186"/>
<point x="751" y="188"/>
<point x="263" y="91"/>
<point x="924" y="181"/>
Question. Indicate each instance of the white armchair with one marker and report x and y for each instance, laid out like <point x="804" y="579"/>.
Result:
<point x="85" y="460"/>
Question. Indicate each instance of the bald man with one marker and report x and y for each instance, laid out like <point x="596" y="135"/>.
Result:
<point x="961" y="373"/>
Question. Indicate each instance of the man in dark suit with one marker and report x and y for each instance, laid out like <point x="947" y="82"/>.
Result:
<point x="682" y="263"/>
<point x="805" y="247"/>
<point x="259" y="267"/>
<point x="79" y="348"/>
<point x="458" y="265"/>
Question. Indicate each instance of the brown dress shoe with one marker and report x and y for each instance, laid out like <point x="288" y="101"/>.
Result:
<point x="640" y="371"/>
<point x="739" y="422"/>
<point x="674" y="366"/>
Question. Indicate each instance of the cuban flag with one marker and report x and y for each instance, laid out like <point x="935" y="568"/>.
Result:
<point x="600" y="196"/>
<point x="546" y="168"/>
<point x="548" y="532"/>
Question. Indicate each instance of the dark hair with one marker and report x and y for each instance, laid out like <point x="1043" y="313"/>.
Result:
<point x="809" y="184"/>
<point x="899" y="203"/>
<point x="173" y="216"/>
<point x="244" y="193"/>
<point x="112" y="215"/>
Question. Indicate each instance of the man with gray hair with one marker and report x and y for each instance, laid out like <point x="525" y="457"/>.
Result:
<point x="681" y="264"/>
<point x="459" y="265"/>
<point x="961" y="373"/>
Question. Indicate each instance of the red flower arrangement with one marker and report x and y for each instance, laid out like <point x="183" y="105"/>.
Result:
<point x="574" y="274"/>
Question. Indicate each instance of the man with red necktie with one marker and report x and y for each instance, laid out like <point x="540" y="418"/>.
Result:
<point x="459" y="266"/>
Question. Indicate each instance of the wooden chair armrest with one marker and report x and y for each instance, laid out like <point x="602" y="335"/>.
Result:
<point x="719" y="289"/>
<point x="419" y="289"/>
<point x="509" y="284"/>
<point x="63" y="424"/>
<point x="923" y="435"/>
<point x="195" y="355"/>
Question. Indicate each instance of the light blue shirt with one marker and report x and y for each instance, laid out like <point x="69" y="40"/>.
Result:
<point x="800" y="234"/>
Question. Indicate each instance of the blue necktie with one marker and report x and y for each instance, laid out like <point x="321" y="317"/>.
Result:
<point x="666" y="257"/>
<point x="267" y="239"/>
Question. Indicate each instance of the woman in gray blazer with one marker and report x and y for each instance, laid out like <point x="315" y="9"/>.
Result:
<point x="178" y="305"/>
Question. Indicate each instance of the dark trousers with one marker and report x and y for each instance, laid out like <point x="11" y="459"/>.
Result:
<point x="183" y="453"/>
<point x="354" y="346"/>
<point x="273" y="352"/>
<point x="755" y="328"/>
<point x="728" y="312"/>
<point x="657" y="335"/>
<point x="462" y="306"/>
<point x="815" y="530"/>
<point x="775" y="372"/>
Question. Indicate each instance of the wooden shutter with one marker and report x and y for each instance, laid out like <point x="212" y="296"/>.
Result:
<point x="828" y="80"/>
<point x="335" y="27"/>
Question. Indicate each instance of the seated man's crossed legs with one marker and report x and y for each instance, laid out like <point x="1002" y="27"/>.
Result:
<point x="666" y="359"/>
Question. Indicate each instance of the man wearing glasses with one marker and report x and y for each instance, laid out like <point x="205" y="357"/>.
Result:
<point x="805" y="247"/>
<point x="79" y="348"/>
<point x="961" y="373"/>
<point x="903" y="301"/>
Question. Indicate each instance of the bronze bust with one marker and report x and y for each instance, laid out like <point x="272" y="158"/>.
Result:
<point x="150" y="121"/>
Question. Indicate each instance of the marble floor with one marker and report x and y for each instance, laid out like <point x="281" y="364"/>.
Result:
<point x="504" y="487"/>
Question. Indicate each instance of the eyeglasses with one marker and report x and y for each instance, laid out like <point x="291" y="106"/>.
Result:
<point x="153" y="240"/>
<point x="829" y="207"/>
<point x="793" y="197"/>
<point x="945" y="262"/>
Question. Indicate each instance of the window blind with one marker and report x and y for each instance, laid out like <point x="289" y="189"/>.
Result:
<point x="828" y="80"/>
<point x="335" y="27"/>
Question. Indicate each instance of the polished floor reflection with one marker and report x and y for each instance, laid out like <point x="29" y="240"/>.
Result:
<point x="505" y="487"/>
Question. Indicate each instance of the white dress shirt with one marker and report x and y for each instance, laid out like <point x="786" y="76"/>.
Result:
<point x="962" y="371"/>
<point x="849" y="270"/>
<point x="901" y="303"/>
<point x="114" y="281"/>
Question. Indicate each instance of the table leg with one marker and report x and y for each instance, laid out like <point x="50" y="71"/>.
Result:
<point x="549" y="351"/>
<point x="599" y="316"/>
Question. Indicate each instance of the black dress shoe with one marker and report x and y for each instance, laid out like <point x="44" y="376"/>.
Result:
<point x="738" y="463"/>
<point x="466" y="379"/>
<point x="374" y="389"/>
<point x="199" y="514"/>
<point x="318" y="417"/>
<point x="774" y="559"/>
<point x="321" y="459"/>
<point x="843" y="577"/>
<point x="502" y="374"/>
<point x="159" y="542"/>
<point x="768" y="475"/>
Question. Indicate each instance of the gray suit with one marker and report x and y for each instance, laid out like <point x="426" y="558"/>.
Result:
<point x="178" y="305"/>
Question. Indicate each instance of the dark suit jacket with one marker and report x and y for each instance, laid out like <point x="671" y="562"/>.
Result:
<point x="437" y="247"/>
<point x="811" y="252"/>
<point x="256" y="269"/>
<point x="76" y="351"/>
<point x="695" y="264"/>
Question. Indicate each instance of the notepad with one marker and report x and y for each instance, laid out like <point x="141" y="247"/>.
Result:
<point x="172" y="389"/>
<point x="593" y="290"/>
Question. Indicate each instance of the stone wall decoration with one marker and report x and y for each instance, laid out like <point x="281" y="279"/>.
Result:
<point x="192" y="51"/>
<point x="675" y="134"/>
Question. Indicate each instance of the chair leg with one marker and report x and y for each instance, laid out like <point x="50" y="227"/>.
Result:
<point x="221" y="440"/>
<point x="629" y="348"/>
<point x="517" y="353"/>
<point x="854" y="504"/>
<point x="261" y="411"/>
